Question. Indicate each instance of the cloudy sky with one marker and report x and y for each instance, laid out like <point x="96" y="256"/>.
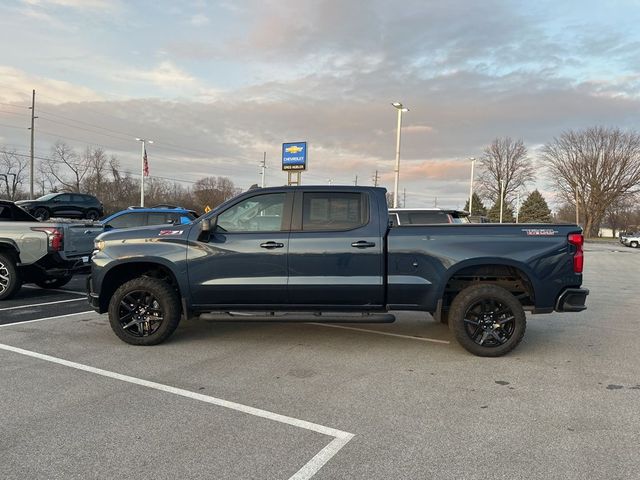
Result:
<point x="217" y="83"/>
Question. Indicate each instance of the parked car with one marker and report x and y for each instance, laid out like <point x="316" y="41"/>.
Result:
<point x="624" y="236"/>
<point x="330" y="249"/>
<point x="632" y="240"/>
<point x="141" y="217"/>
<point x="44" y="253"/>
<point x="64" y="205"/>
<point x="426" y="216"/>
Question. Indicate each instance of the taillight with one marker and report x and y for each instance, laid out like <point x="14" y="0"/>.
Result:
<point x="577" y="240"/>
<point x="54" y="237"/>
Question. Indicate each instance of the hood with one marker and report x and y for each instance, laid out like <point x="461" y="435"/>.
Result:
<point x="25" y="202"/>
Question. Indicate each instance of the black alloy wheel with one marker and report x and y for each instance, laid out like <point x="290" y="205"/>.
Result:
<point x="489" y="323"/>
<point x="92" y="215"/>
<point x="487" y="320"/>
<point x="144" y="311"/>
<point x="41" y="213"/>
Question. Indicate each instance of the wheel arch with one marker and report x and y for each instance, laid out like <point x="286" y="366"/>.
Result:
<point x="515" y="276"/>
<point x="134" y="268"/>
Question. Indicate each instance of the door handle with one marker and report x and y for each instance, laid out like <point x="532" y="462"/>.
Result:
<point x="363" y="244"/>
<point x="271" y="245"/>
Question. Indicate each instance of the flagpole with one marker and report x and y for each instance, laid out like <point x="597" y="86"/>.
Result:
<point x="142" y="169"/>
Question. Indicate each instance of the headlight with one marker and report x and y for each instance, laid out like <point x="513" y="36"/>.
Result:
<point x="98" y="245"/>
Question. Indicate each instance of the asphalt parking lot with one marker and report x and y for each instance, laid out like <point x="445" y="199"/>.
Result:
<point x="247" y="400"/>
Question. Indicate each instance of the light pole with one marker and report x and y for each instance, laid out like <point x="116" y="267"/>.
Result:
<point x="400" y="108"/>
<point x="473" y="162"/>
<point x="143" y="171"/>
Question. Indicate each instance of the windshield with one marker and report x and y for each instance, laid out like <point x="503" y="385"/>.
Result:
<point x="46" y="197"/>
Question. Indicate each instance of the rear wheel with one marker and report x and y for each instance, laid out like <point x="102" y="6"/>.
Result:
<point x="53" y="282"/>
<point x="41" y="213"/>
<point x="487" y="320"/>
<point x="144" y="311"/>
<point x="92" y="215"/>
<point x="10" y="281"/>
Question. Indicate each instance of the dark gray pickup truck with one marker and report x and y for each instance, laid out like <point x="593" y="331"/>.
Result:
<point x="329" y="250"/>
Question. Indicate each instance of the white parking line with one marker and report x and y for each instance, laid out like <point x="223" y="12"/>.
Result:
<point x="42" y="304"/>
<point x="46" y="318"/>
<point x="307" y="471"/>
<point x="75" y="292"/>
<point x="410" y="337"/>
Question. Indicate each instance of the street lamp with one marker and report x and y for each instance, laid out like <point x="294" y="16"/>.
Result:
<point x="142" y="169"/>
<point x="400" y="108"/>
<point x="473" y="162"/>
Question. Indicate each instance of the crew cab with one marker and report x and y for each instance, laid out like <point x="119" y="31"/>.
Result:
<point x="331" y="250"/>
<point x="44" y="253"/>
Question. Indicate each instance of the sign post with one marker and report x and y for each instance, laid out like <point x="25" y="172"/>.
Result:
<point x="294" y="161"/>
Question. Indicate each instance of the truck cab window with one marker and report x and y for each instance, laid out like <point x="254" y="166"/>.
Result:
<point x="333" y="211"/>
<point x="262" y="213"/>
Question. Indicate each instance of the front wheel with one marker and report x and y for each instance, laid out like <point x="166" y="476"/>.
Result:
<point x="634" y="244"/>
<point x="144" y="311"/>
<point x="487" y="320"/>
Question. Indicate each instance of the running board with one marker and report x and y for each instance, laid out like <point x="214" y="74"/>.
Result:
<point x="299" y="317"/>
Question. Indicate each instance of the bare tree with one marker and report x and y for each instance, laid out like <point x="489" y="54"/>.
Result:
<point x="212" y="191"/>
<point x="67" y="167"/>
<point x="96" y="181"/>
<point x="505" y="160"/>
<point x="596" y="166"/>
<point x="12" y="170"/>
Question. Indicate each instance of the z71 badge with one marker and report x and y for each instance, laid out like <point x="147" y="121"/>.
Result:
<point x="546" y="232"/>
<point x="170" y="232"/>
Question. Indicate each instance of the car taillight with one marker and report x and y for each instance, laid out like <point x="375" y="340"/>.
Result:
<point x="577" y="240"/>
<point x="54" y="237"/>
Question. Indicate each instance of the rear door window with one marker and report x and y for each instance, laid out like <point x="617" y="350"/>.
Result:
<point x="128" y="220"/>
<point x="333" y="211"/>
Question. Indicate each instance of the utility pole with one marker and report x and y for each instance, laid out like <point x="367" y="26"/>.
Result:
<point x="376" y="177"/>
<point x="33" y="117"/>
<point x="517" y="207"/>
<point x="404" y="198"/>
<point x="577" y="211"/>
<point x="501" y="198"/>
<point x="355" y="182"/>
<point x="473" y="162"/>
<point x="263" y="168"/>
<point x="435" y="202"/>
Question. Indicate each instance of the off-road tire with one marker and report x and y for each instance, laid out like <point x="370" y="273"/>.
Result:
<point x="164" y="296"/>
<point x="53" y="282"/>
<point x="468" y="300"/>
<point x="10" y="281"/>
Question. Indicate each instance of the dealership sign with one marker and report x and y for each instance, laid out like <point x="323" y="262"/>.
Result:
<point x="294" y="156"/>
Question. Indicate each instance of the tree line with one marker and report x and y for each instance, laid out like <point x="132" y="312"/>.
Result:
<point x="94" y="171"/>
<point x="595" y="170"/>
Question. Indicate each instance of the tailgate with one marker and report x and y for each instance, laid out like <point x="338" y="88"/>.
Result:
<point x="78" y="238"/>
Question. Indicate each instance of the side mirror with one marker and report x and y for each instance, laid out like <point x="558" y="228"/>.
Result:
<point x="108" y="227"/>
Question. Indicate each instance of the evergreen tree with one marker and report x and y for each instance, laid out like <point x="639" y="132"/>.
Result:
<point x="535" y="209"/>
<point x="507" y="213"/>
<point x="478" y="206"/>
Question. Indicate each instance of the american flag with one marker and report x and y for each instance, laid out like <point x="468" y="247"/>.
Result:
<point x="145" y="164"/>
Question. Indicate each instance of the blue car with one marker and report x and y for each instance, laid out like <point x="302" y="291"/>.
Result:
<point x="140" y="217"/>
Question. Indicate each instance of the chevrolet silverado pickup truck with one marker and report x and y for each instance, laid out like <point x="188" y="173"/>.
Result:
<point x="331" y="250"/>
<point x="44" y="253"/>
